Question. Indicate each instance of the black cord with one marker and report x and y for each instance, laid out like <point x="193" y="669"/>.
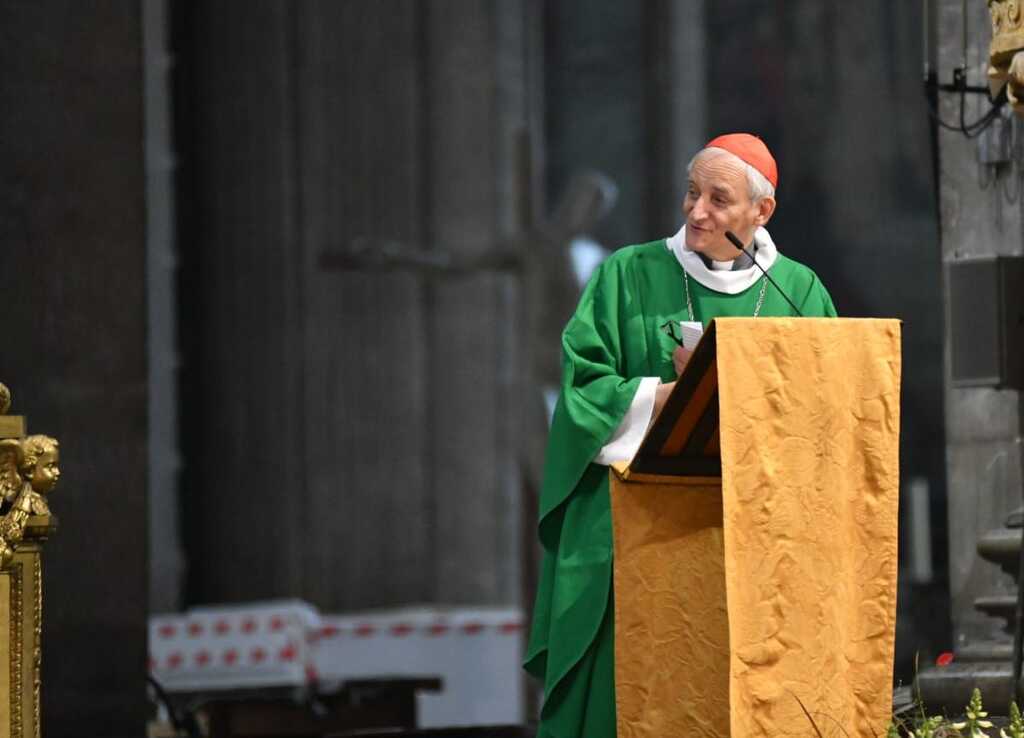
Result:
<point x="186" y="723"/>
<point x="982" y="123"/>
<point x="972" y="130"/>
<point x="735" y="241"/>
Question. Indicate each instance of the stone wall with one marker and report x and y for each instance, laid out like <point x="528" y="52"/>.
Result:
<point x="625" y="95"/>
<point x="349" y="433"/>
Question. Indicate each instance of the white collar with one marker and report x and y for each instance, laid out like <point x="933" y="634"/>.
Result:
<point x="731" y="283"/>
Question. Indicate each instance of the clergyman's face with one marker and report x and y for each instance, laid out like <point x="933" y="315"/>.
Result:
<point x="718" y="200"/>
<point x="46" y="472"/>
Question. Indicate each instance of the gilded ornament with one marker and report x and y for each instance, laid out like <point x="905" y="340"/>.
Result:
<point x="1006" y="51"/>
<point x="16" y="649"/>
<point x="37" y="651"/>
<point x="1005" y="14"/>
<point x="29" y="469"/>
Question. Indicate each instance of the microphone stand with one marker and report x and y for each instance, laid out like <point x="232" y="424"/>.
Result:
<point x="739" y="245"/>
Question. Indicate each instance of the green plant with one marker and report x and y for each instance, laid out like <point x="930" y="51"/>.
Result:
<point x="929" y="727"/>
<point x="975" y="717"/>
<point x="1016" y="727"/>
<point x="922" y="725"/>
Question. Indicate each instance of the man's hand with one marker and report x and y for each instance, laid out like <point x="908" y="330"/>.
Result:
<point x="660" y="395"/>
<point x="680" y="357"/>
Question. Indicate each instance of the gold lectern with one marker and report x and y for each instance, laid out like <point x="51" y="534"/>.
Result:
<point x="28" y="471"/>
<point x="755" y="537"/>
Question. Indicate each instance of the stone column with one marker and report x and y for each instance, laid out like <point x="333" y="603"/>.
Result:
<point x="72" y="231"/>
<point x="244" y="474"/>
<point x="983" y="424"/>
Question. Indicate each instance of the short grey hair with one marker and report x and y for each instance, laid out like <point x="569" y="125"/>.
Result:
<point x="757" y="184"/>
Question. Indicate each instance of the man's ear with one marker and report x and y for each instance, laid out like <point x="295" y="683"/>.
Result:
<point x="765" y="210"/>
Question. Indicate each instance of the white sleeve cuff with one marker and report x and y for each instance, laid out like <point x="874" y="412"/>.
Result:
<point x="626" y="439"/>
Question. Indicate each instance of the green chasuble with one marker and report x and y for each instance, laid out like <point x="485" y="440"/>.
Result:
<point x="612" y="342"/>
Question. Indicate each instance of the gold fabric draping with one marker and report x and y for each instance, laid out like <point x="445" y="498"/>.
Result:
<point x="671" y="626"/>
<point x="734" y="606"/>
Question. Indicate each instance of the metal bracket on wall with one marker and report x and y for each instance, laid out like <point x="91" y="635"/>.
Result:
<point x="986" y="322"/>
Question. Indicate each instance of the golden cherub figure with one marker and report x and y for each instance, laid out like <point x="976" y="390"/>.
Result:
<point x="28" y="471"/>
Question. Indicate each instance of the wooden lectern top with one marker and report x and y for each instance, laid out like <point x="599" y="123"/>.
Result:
<point x="684" y="439"/>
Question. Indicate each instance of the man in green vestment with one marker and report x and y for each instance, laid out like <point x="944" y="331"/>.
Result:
<point x="618" y="369"/>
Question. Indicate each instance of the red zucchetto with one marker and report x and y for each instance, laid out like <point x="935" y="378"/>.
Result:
<point x="750" y="149"/>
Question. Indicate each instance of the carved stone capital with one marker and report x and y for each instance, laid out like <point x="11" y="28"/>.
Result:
<point x="1005" y="57"/>
<point x="1007" y="31"/>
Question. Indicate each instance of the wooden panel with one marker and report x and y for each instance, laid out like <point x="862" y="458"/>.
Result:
<point x="700" y="404"/>
<point x="680" y="466"/>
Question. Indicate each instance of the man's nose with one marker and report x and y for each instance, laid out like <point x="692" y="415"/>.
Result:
<point x="699" y="211"/>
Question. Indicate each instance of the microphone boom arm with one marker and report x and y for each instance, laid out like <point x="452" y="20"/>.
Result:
<point x="739" y="245"/>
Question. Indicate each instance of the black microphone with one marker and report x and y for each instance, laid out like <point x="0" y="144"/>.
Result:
<point x="739" y="244"/>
